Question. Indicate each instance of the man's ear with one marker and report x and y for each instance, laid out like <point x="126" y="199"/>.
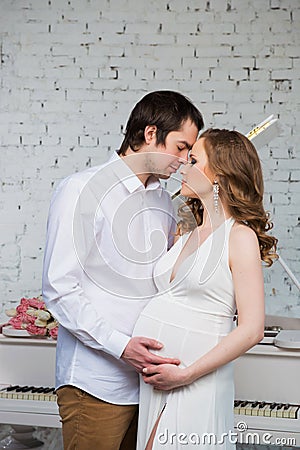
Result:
<point x="150" y="133"/>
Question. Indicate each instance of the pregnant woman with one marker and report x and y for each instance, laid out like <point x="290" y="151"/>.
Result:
<point x="213" y="270"/>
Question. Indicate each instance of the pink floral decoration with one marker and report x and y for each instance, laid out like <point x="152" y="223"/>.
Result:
<point x="33" y="329"/>
<point x="16" y="323"/>
<point x="40" y="324"/>
<point x="53" y="332"/>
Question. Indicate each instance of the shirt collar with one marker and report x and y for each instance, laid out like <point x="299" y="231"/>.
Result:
<point x="129" y="178"/>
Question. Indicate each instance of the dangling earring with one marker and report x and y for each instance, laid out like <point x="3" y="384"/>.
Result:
<point x="216" y="188"/>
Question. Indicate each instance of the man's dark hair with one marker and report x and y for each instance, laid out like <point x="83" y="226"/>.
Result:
<point x="167" y="110"/>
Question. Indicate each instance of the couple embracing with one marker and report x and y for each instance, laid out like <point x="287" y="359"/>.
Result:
<point x="145" y="298"/>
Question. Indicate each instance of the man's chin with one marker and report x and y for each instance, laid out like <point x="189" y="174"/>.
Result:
<point x="162" y="176"/>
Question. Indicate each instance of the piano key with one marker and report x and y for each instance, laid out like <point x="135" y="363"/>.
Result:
<point x="261" y="407"/>
<point x="267" y="411"/>
<point x="46" y="390"/>
<point x="21" y="391"/>
<point x="286" y="411"/>
<point x="273" y="407"/>
<point x="16" y="392"/>
<point x="294" y="413"/>
<point x="20" y="388"/>
<point x="237" y="406"/>
<point x="236" y="409"/>
<point x="40" y="397"/>
<point x="279" y="410"/>
<point x="27" y="388"/>
<point x="248" y="409"/>
<point x="10" y="392"/>
<point x="25" y="393"/>
<point x="255" y="408"/>
<point x="12" y="388"/>
<point x="243" y="407"/>
<point x="37" y="389"/>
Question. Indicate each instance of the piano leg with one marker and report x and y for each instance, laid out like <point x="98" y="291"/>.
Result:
<point x="21" y="437"/>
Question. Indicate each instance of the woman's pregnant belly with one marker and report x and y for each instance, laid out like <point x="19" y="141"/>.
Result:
<point x="186" y="333"/>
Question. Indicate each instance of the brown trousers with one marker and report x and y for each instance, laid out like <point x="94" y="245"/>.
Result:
<point x="92" y="424"/>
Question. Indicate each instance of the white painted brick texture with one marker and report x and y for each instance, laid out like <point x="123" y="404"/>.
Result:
<point x="71" y="70"/>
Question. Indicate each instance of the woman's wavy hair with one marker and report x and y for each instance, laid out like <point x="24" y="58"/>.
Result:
<point x="234" y="160"/>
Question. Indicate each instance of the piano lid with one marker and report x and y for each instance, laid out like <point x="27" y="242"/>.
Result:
<point x="288" y="339"/>
<point x="275" y="325"/>
<point x="285" y="323"/>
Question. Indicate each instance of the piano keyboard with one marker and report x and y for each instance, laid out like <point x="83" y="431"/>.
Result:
<point x="264" y="409"/>
<point x="17" y="392"/>
<point x="258" y="375"/>
<point x="29" y="405"/>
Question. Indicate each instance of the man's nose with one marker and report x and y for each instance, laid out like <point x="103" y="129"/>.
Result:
<point x="183" y="168"/>
<point x="183" y="158"/>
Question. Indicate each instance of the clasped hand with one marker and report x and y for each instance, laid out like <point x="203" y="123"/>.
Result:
<point x="165" y="376"/>
<point x="137" y="354"/>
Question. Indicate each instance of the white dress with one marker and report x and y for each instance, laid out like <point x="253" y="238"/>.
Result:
<point x="190" y="315"/>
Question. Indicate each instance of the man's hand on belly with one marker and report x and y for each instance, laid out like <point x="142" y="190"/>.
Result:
<point x="137" y="353"/>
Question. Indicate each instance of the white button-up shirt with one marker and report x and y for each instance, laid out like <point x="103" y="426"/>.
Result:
<point x="105" y="233"/>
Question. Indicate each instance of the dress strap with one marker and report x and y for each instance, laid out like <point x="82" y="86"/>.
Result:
<point x="228" y="224"/>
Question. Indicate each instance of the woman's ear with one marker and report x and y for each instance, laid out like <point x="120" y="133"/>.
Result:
<point x="150" y="133"/>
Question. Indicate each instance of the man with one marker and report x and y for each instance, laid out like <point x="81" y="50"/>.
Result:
<point x="107" y="227"/>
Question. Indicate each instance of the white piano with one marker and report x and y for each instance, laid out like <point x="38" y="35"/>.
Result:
<point x="267" y="383"/>
<point x="267" y="390"/>
<point x="28" y="362"/>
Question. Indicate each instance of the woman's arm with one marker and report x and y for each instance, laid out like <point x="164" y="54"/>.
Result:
<point x="246" y="268"/>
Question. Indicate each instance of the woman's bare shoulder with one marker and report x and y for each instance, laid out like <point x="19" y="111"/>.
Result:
<point x="243" y="238"/>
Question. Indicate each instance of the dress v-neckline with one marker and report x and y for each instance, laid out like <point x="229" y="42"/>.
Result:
<point x="188" y="235"/>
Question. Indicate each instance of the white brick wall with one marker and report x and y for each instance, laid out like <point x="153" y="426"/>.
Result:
<point x="71" y="70"/>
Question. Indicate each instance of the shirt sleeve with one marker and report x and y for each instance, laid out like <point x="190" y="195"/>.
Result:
<point x="64" y="269"/>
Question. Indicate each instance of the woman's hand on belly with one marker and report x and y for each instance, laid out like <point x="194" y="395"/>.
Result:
<point x="165" y="377"/>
